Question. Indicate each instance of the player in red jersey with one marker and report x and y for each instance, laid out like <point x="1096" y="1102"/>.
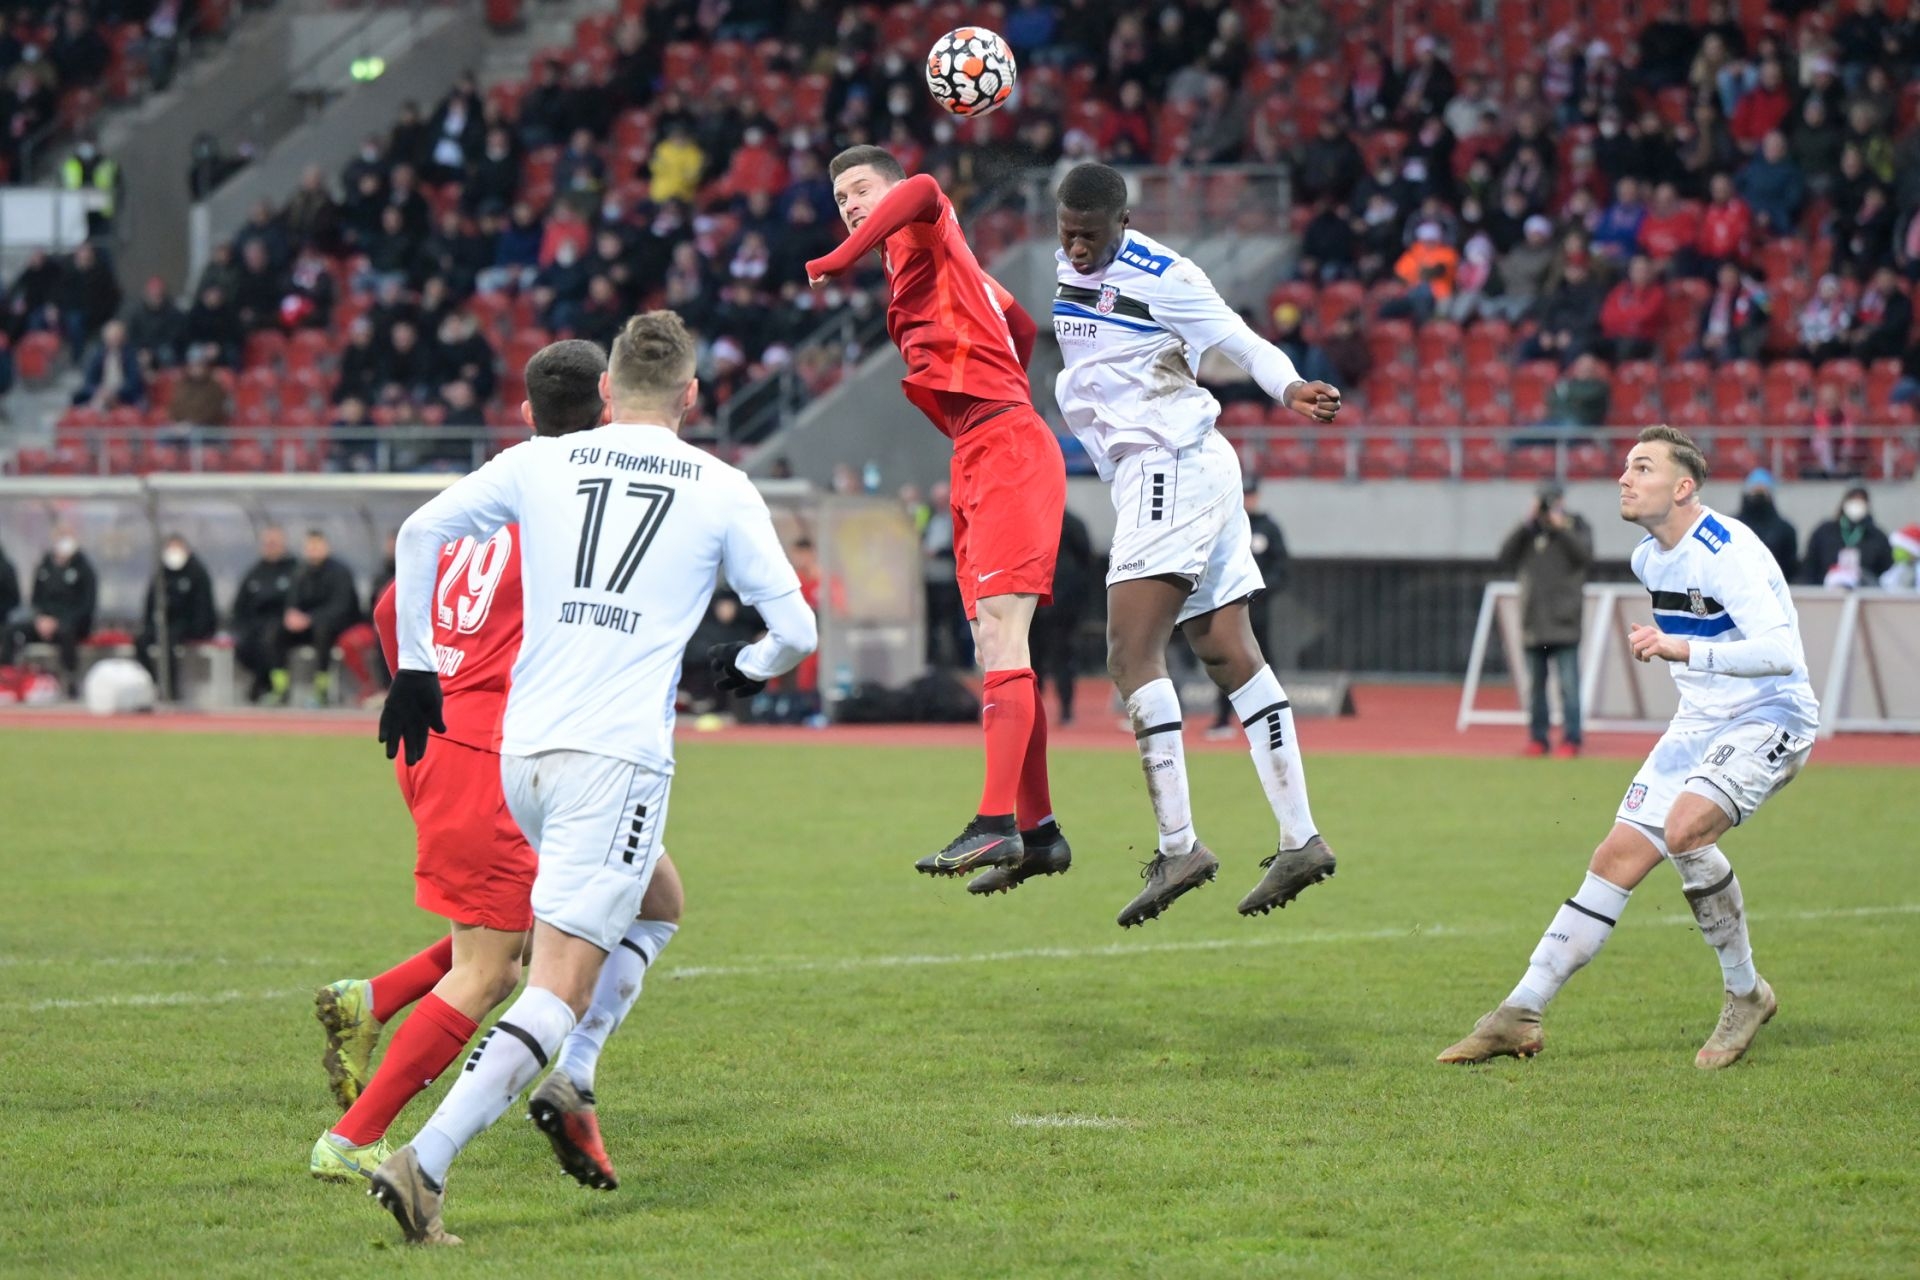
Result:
<point x="473" y="866"/>
<point x="966" y="343"/>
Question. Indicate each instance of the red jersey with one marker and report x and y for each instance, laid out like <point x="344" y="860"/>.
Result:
<point x="952" y="322"/>
<point x="476" y="633"/>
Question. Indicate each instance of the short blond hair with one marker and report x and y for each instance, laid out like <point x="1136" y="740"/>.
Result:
<point x="652" y="361"/>
<point x="1686" y="454"/>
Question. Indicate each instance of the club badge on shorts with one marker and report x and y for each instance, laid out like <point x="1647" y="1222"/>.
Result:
<point x="1109" y="295"/>
<point x="1636" y="796"/>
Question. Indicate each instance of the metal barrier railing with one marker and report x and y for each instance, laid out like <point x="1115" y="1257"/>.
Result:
<point x="1336" y="452"/>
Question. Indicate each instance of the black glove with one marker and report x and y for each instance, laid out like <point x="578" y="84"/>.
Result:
<point x="412" y="708"/>
<point x="724" y="661"/>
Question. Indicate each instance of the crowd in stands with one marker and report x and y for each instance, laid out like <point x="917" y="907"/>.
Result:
<point x="1550" y="201"/>
<point x="60" y="61"/>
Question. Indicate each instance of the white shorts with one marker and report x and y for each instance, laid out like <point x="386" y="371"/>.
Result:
<point x="597" y="824"/>
<point x="1182" y="514"/>
<point x="1738" y="766"/>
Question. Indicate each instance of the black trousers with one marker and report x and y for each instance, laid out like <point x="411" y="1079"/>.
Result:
<point x="67" y="641"/>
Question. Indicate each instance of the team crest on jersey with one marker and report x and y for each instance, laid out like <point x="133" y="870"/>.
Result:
<point x="1109" y="295"/>
<point x="1636" y="796"/>
<point x="1696" y="602"/>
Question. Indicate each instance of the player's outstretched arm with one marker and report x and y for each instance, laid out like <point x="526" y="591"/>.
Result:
<point x="1192" y="308"/>
<point x="915" y="200"/>
<point x="759" y="572"/>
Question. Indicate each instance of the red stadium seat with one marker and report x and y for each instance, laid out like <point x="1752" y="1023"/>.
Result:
<point x="1330" y="459"/>
<point x="1488" y="340"/>
<point x="36" y="357"/>
<point x="1881" y="377"/>
<point x="1439" y="344"/>
<point x="1383" y="459"/>
<point x="1432" y="459"/>
<point x="1483" y="459"/>
<point x="1532" y="382"/>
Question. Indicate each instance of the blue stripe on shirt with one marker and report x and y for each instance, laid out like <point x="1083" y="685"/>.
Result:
<point x="1681" y="624"/>
<point x="1080" y="313"/>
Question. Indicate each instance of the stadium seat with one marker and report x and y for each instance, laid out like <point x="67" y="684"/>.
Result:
<point x="36" y="358"/>
<point x="1439" y="344"/>
<point x="1432" y="459"/>
<point x="1590" y="460"/>
<point x="1881" y="377"/>
<point x="1382" y="458"/>
<point x="1483" y="458"/>
<point x="1330" y="459"/>
<point x="1532" y="382"/>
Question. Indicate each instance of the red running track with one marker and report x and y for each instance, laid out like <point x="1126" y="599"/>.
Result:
<point x="1390" y="719"/>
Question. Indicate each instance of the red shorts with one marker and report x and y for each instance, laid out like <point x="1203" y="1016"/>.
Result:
<point x="1009" y="493"/>
<point x="471" y="863"/>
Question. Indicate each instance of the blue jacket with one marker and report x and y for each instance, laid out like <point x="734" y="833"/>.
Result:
<point x="133" y="386"/>
<point x="1776" y="191"/>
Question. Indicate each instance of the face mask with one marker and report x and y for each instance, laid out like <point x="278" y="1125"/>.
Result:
<point x="1854" y="509"/>
<point x="1609" y="128"/>
<point x="175" y="558"/>
<point x="65" y="548"/>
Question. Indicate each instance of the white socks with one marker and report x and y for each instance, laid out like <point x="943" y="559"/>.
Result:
<point x="1719" y="909"/>
<point x="1154" y="712"/>
<point x="613" y="997"/>
<point x="1268" y="719"/>
<point x="504" y="1062"/>
<point x="1576" y="935"/>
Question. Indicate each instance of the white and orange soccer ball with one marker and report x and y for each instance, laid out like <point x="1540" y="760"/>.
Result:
<point x="970" y="71"/>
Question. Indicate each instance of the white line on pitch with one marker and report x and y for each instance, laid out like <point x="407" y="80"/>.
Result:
<point x="1070" y="1122"/>
<point x="851" y="964"/>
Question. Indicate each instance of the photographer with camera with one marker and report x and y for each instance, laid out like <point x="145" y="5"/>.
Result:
<point x="1549" y="554"/>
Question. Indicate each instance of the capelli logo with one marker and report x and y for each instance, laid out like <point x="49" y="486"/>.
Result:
<point x="1131" y="566"/>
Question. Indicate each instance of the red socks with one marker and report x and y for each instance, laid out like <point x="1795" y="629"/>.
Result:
<point x="412" y="978"/>
<point x="1035" y="800"/>
<point x="426" y="1044"/>
<point x="1008" y="701"/>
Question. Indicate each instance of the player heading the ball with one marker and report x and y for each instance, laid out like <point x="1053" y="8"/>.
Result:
<point x="966" y="343"/>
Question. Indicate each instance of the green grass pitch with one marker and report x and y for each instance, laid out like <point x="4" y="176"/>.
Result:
<point x="862" y="1072"/>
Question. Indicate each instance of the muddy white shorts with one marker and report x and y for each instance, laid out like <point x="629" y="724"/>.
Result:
<point x="1738" y="766"/>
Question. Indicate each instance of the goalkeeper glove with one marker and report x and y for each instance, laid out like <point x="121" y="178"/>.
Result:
<point x="412" y="708"/>
<point x="724" y="661"/>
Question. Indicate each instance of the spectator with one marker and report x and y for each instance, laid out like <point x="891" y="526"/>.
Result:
<point x="1814" y="145"/>
<point x="1758" y="513"/>
<point x="516" y="252"/>
<point x="9" y="593"/>
<point x="1905" y="573"/>
<point x="1763" y="108"/>
<point x="258" y="607"/>
<point x="1549" y="553"/>
<point x="1670" y="227"/>
<point x="1849" y="550"/>
<point x="1429" y="263"/>
<point x="493" y="176"/>
<point x="1568" y="317"/>
<point x="676" y="165"/>
<point x="308" y="300"/>
<point x="112" y="377"/>
<point x="1582" y="395"/>
<point x="1524" y="270"/>
<point x="392" y="252"/>
<point x="1705" y="146"/>
<point x="1633" y="318"/>
<point x="1330" y="165"/>
<point x="1836" y="451"/>
<point x="1373" y="89"/>
<point x="267" y="229"/>
<point x="1724" y="228"/>
<point x="199" y="398"/>
<point x="29" y="298"/>
<point x="322" y="603"/>
<point x="87" y="295"/>
<point x="313" y="215"/>
<point x="65" y="591"/>
<point x="1347" y="350"/>
<point x="456" y="133"/>
<point x="1884" y="318"/>
<point x="214" y="322"/>
<point x="461" y="354"/>
<point x="756" y="167"/>
<point x="1863" y="232"/>
<point x="257" y="293"/>
<point x="579" y="172"/>
<point x="1733" y="322"/>
<point x="1269" y="548"/>
<point x="1824" y="322"/>
<point x="156" y="327"/>
<point x="404" y="371"/>
<point x="1475" y="284"/>
<point x="1616" y="235"/>
<point x="1773" y="187"/>
<point x="1327" y="247"/>
<point x="180" y="595"/>
<point x="545" y="115"/>
<point x="78" y="53"/>
<point x="1056" y="627"/>
<point x="87" y="170"/>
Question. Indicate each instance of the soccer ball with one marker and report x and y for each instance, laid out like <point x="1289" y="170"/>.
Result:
<point x="970" y="71"/>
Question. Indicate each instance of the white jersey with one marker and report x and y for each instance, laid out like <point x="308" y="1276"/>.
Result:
<point x="1132" y="336"/>
<point x="1721" y="586"/>
<point x="623" y="531"/>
